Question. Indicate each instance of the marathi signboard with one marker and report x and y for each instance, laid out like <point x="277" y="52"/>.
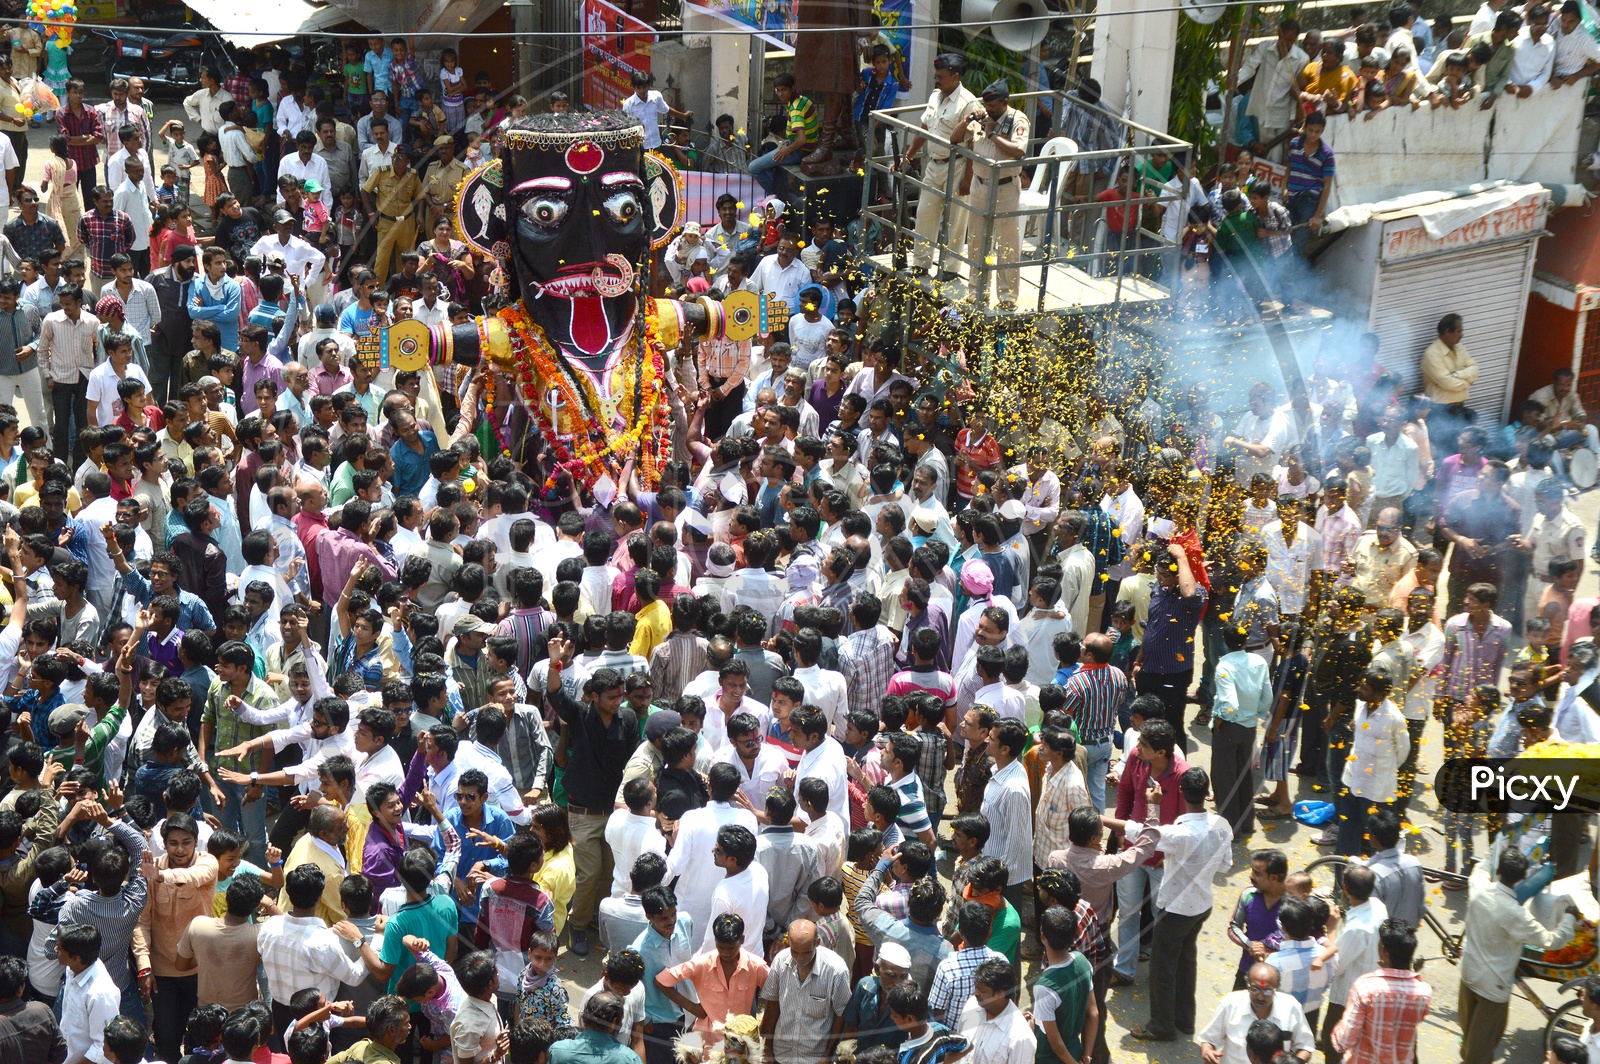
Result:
<point x="773" y="20"/>
<point x="1406" y="238"/>
<point x="615" y="47"/>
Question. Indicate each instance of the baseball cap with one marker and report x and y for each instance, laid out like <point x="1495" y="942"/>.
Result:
<point x="468" y="624"/>
<point x="282" y="217"/>
<point x="1012" y="510"/>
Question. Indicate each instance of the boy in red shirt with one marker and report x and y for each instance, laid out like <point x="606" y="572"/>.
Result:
<point x="976" y="450"/>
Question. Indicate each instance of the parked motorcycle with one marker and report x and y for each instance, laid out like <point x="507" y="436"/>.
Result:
<point x="168" y="62"/>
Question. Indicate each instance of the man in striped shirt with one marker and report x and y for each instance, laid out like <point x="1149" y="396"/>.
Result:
<point x="899" y="758"/>
<point x="1093" y="695"/>
<point x="804" y="127"/>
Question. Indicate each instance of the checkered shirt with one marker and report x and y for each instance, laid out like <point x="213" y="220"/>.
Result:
<point x="1298" y="980"/>
<point x="953" y="981"/>
<point x="930" y="766"/>
<point x="867" y="661"/>
<point x="1381" y="1016"/>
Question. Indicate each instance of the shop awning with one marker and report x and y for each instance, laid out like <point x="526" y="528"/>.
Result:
<point x="247" y="23"/>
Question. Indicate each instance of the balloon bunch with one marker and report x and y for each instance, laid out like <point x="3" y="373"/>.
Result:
<point x="56" y="16"/>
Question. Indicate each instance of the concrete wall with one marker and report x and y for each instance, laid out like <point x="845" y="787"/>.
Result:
<point x="1134" y="51"/>
<point x="1399" y="151"/>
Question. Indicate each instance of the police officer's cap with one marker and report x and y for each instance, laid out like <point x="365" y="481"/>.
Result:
<point x="997" y="90"/>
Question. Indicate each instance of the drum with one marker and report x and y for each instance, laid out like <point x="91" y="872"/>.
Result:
<point x="1583" y="466"/>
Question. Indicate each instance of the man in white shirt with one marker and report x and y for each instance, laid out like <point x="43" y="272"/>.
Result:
<point x="1533" y="55"/>
<point x="1577" y="54"/>
<point x="631" y="831"/>
<point x="825" y="688"/>
<point x="1260" y="999"/>
<point x="130" y="199"/>
<point x="1008" y="803"/>
<point x="1259" y="437"/>
<point x="993" y="1026"/>
<point x="742" y="890"/>
<point x="782" y="274"/>
<point x="1358" y="939"/>
<point x="758" y="766"/>
<point x="1380" y="746"/>
<point x="299" y="257"/>
<point x="304" y="163"/>
<point x="89" y="998"/>
<point x="431" y="309"/>
<point x="821" y="758"/>
<point x="1197" y="845"/>
<point x="692" y="861"/>
<point x="376" y="760"/>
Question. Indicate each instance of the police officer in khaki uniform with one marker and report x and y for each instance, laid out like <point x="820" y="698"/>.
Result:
<point x="944" y="117"/>
<point x="393" y="196"/>
<point x="998" y="132"/>
<point x="446" y="173"/>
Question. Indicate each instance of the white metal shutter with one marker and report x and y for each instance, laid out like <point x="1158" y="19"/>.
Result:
<point x="1488" y="288"/>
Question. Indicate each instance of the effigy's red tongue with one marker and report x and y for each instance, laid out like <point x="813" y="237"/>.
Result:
<point x="590" y="331"/>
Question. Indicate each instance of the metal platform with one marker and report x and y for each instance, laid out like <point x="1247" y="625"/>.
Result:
<point x="1065" y="262"/>
<point x="1067" y="287"/>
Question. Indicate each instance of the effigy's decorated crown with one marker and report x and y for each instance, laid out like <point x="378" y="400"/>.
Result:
<point x="610" y="130"/>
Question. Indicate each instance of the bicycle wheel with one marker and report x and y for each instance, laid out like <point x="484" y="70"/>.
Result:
<point x="1327" y="874"/>
<point x="1567" y="1020"/>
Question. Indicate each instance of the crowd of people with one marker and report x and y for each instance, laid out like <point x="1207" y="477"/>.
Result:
<point x="332" y="724"/>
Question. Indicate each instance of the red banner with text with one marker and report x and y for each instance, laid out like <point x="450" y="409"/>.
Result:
<point x="615" y="47"/>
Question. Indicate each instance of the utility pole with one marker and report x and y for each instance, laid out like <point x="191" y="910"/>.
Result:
<point x="525" y="19"/>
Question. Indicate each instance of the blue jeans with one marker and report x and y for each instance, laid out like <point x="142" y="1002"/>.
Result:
<point x="133" y="1002"/>
<point x="1130" y="899"/>
<point x="248" y="820"/>
<point x="761" y="168"/>
<point x="1099" y="755"/>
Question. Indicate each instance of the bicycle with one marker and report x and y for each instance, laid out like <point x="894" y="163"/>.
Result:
<point x="1567" y="1018"/>
<point x="1326" y="875"/>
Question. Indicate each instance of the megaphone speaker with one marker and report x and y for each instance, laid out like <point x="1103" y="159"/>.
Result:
<point x="1018" y="25"/>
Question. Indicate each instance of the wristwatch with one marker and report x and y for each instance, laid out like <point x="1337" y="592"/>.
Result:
<point x="255" y="779"/>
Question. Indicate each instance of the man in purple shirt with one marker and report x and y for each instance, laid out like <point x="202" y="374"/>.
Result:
<point x="386" y="838"/>
<point x="164" y="636"/>
<point x="338" y="553"/>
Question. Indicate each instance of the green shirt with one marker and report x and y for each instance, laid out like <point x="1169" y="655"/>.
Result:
<point x="1070" y="985"/>
<point x="803" y="117"/>
<point x="343" y="487"/>
<point x="434" y="919"/>
<point x="1155" y="176"/>
<point x="355" y="79"/>
<point x="1006" y="934"/>
<point x="1237" y="233"/>
<point x="94" y="750"/>
<point x="227" y="729"/>
<point x="366" y="1051"/>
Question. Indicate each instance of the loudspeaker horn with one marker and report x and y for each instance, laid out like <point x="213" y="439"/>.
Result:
<point x="1018" y="25"/>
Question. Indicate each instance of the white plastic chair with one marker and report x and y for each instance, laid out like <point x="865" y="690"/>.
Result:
<point x="1036" y="198"/>
<point x="1101" y="267"/>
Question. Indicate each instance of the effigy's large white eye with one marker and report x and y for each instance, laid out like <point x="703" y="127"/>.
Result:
<point x="545" y="211"/>
<point x="623" y="207"/>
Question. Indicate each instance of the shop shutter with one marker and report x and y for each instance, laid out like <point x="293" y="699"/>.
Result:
<point x="1487" y="287"/>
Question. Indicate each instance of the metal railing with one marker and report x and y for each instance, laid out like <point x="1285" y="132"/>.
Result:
<point x="1064" y="226"/>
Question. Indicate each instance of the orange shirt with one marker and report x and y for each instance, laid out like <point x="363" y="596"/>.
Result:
<point x="720" y="996"/>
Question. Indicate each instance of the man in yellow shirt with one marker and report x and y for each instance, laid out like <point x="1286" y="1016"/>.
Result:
<point x="393" y="197"/>
<point x="1448" y="369"/>
<point x="653" y="620"/>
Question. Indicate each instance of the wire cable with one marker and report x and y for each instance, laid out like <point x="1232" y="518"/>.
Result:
<point x="972" y="27"/>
